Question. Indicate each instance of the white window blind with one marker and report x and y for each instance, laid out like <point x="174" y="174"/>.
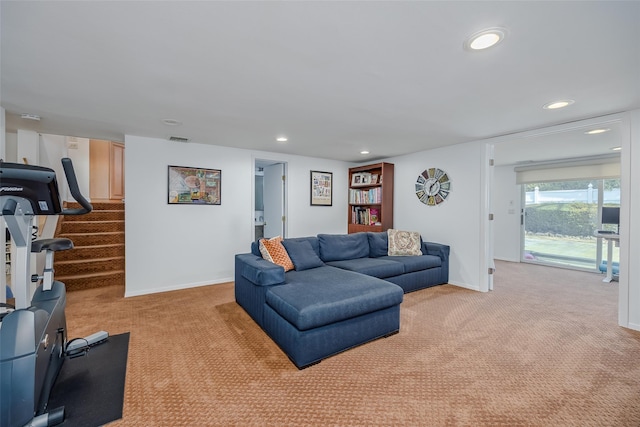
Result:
<point x="569" y="170"/>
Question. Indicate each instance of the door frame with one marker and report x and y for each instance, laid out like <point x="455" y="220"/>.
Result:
<point x="258" y="162"/>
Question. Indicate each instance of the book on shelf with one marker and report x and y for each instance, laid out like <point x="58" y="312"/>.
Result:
<point x="365" y="216"/>
<point x="373" y="216"/>
<point x="372" y="195"/>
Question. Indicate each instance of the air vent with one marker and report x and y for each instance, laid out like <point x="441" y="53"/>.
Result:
<point x="178" y="139"/>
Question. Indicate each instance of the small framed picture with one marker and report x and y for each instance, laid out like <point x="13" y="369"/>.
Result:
<point x="360" y="179"/>
<point x="321" y="188"/>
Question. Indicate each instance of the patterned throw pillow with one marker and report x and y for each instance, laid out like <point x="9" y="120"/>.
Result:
<point x="403" y="242"/>
<point x="272" y="250"/>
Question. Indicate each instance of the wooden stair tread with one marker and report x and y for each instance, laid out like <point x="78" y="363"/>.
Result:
<point x="84" y="261"/>
<point x="106" y="245"/>
<point x="84" y="275"/>
<point x="95" y="233"/>
<point x="118" y="221"/>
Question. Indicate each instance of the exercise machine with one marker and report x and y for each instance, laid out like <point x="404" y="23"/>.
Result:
<point x="33" y="332"/>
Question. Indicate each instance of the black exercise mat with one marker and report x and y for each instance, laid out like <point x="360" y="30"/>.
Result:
<point x="91" y="387"/>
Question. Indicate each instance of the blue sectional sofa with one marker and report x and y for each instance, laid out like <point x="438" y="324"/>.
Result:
<point x="345" y="291"/>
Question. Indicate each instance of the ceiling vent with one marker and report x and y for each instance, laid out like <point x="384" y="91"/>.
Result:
<point x="178" y="139"/>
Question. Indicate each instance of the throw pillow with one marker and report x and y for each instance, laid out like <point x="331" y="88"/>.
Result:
<point x="402" y="243"/>
<point x="273" y="251"/>
<point x="302" y="254"/>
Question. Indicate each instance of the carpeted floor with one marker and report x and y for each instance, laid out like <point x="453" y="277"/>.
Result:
<point x="542" y="349"/>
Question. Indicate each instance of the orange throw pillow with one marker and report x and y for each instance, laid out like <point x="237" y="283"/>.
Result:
<point x="273" y="250"/>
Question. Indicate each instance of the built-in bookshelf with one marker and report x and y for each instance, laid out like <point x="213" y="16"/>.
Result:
<point x="370" y="198"/>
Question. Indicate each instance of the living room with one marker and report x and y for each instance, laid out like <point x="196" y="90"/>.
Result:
<point x="171" y="247"/>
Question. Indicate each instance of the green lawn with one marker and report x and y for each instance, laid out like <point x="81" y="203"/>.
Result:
<point x="570" y="251"/>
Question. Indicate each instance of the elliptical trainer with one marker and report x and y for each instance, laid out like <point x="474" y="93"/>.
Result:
<point x="33" y="334"/>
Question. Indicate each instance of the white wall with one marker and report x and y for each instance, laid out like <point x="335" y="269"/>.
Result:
<point x="28" y="147"/>
<point x="506" y="208"/>
<point x="455" y="222"/>
<point x="179" y="246"/>
<point x="3" y="275"/>
<point x="78" y="152"/>
<point x="52" y="149"/>
<point x="3" y="134"/>
<point x="11" y="147"/>
<point x="629" y="285"/>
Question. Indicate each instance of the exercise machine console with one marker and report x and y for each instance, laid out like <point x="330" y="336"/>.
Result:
<point x="33" y="332"/>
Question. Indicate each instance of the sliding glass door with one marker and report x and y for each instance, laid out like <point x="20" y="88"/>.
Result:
<point x="560" y="218"/>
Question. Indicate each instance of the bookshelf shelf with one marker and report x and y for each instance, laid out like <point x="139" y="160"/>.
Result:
<point x="370" y="198"/>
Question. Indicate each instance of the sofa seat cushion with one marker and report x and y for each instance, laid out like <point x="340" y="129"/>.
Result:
<point x="325" y="295"/>
<point x="415" y="263"/>
<point x="375" y="267"/>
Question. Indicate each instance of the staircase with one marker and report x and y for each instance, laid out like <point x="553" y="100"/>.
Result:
<point x="97" y="258"/>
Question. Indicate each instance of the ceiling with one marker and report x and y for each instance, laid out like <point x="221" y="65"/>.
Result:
<point x="335" y="77"/>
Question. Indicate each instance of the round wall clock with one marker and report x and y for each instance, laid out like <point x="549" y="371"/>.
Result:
<point x="433" y="186"/>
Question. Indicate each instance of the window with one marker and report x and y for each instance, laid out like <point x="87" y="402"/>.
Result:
<point x="560" y="219"/>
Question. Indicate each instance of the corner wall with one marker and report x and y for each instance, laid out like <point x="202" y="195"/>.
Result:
<point x="629" y="285"/>
<point x="179" y="246"/>
<point x="455" y="222"/>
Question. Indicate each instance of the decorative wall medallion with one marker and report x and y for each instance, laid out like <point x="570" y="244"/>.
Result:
<point x="433" y="186"/>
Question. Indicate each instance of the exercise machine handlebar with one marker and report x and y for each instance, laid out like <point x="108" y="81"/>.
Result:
<point x="72" y="181"/>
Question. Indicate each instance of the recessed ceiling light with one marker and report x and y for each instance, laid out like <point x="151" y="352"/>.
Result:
<point x="597" y="131"/>
<point x="364" y="152"/>
<point x="282" y="139"/>
<point x="558" y="104"/>
<point x="171" y="122"/>
<point x="616" y="148"/>
<point x="484" y="39"/>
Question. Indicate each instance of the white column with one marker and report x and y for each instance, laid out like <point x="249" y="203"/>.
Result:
<point x="28" y="147"/>
<point x="629" y="285"/>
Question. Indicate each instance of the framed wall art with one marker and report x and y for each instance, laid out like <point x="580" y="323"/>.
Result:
<point x="321" y="188"/>
<point x="194" y="186"/>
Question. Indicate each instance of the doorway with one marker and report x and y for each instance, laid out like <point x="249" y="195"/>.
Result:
<point x="560" y="220"/>
<point x="270" y="199"/>
<point x="106" y="170"/>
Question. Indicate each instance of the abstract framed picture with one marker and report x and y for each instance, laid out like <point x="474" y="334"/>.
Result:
<point x="194" y="186"/>
<point x="321" y="188"/>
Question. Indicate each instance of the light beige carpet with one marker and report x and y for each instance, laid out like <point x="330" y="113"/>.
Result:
<point x="542" y="349"/>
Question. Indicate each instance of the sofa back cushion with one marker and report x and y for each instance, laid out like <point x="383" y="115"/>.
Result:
<point x="336" y="247"/>
<point x="378" y="243"/>
<point x="302" y="254"/>
<point x="255" y="248"/>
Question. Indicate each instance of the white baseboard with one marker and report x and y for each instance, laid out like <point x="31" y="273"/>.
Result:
<point x="465" y="285"/>
<point x="634" y="326"/>
<point x="147" y="291"/>
<point x="507" y="259"/>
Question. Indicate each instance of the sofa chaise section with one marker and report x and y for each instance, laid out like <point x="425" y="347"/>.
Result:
<point x="317" y="314"/>
<point x="328" y="310"/>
